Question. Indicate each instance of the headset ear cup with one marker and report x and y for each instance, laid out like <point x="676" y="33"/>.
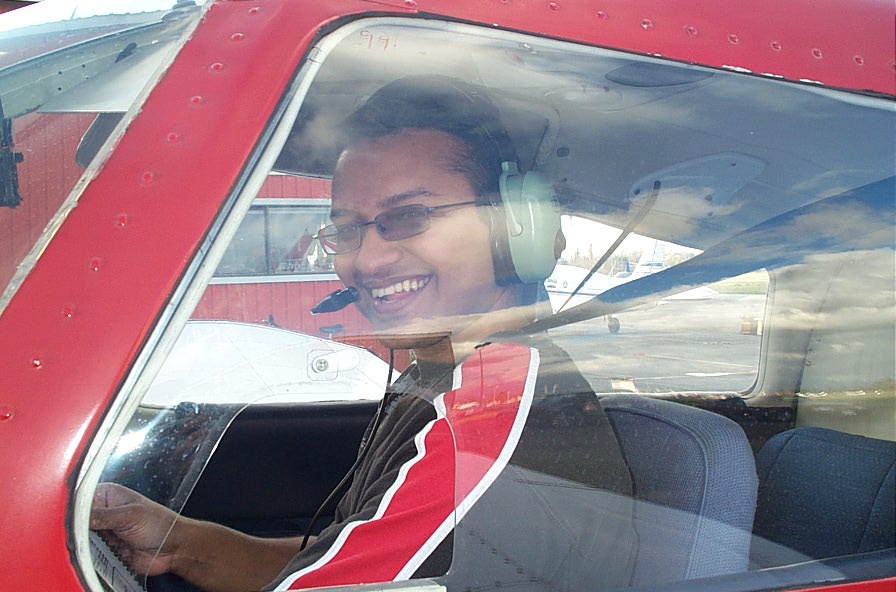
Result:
<point x="502" y="262"/>
<point x="532" y="221"/>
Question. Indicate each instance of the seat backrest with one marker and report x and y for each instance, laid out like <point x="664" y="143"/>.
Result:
<point x="826" y="493"/>
<point x="695" y="483"/>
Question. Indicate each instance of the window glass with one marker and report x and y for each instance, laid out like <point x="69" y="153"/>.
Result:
<point x="277" y="240"/>
<point x="708" y="270"/>
<point x="300" y="254"/>
<point x="247" y="253"/>
<point x="639" y="349"/>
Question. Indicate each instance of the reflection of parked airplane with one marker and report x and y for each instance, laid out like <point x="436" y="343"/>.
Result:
<point x="566" y="278"/>
<point x="566" y="288"/>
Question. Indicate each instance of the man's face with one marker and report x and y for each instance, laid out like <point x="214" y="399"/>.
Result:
<point x="446" y="271"/>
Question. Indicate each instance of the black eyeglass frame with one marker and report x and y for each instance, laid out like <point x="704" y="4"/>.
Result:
<point x="381" y="221"/>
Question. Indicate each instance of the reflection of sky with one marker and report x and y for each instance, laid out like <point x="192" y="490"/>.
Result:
<point x="51" y="11"/>
<point x="599" y="137"/>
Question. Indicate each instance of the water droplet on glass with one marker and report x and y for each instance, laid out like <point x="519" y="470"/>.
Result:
<point x="646" y="24"/>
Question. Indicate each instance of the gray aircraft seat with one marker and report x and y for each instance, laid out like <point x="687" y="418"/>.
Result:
<point x="825" y="493"/>
<point x="695" y="481"/>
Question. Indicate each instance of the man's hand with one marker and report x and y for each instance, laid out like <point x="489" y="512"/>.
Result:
<point x="135" y="528"/>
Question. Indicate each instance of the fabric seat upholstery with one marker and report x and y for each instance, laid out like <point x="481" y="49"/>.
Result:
<point x="825" y="493"/>
<point x="695" y="485"/>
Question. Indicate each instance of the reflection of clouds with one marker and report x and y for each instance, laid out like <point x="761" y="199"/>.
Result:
<point x="609" y="133"/>
<point x="850" y="224"/>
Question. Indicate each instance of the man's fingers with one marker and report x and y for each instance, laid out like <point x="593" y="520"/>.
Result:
<point x="114" y="518"/>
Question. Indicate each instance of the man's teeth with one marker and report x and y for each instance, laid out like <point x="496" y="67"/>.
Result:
<point x="398" y="287"/>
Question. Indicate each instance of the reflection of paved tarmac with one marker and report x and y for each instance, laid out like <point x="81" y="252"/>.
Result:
<point x="679" y="345"/>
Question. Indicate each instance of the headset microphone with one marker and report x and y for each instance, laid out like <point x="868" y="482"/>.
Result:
<point x="336" y="301"/>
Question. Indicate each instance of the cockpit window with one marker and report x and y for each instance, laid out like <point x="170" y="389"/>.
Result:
<point x="556" y="249"/>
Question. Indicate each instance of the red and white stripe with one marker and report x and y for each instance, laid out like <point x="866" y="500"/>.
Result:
<point x="459" y="455"/>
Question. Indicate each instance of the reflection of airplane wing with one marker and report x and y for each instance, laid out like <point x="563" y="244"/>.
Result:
<point x="226" y="362"/>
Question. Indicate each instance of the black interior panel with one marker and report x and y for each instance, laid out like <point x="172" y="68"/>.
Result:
<point x="276" y="463"/>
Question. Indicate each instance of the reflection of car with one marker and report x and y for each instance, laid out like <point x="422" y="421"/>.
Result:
<point x="133" y="145"/>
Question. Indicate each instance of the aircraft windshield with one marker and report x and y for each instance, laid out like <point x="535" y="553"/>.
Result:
<point x="588" y="235"/>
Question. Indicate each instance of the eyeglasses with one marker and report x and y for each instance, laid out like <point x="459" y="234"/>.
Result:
<point x="393" y="225"/>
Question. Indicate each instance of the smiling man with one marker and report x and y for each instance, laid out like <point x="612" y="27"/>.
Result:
<point x="485" y="442"/>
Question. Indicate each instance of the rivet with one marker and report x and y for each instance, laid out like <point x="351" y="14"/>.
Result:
<point x="733" y="39"/>
<point x="776" y="45"/>
<point x="172" y="137"/>
<point x="68" y="311"/>
<point x="37" y="363"/>
<point x="237" y="36"/>
<point x="410" y="3"/>
<point x="859" y="60"/>
<point x="96" y="264"/>
<point x="255" y="10"/>
<point x="647" y="24"/>
<point x="147" y="177"/>
<point x="817" y="54"/>
<point x="553" y="5"/>
<point x="197" y="100"/>
<point x="216" y="67"/>
<point x="6" y="412"/>
<point x="691" y="30"/>
<point x="121" y="220"/>
<point x="601" y="15"/>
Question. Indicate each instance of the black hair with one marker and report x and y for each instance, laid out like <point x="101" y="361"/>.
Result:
<point x="445" y="104"/>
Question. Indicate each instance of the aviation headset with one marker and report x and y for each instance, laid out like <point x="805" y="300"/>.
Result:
<point x="525" y="236"/>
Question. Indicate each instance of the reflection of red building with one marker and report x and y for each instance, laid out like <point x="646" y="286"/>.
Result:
<point x="288" y="303"/>
<point x="47" y="174"/>
<point x="48" y="143"/>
